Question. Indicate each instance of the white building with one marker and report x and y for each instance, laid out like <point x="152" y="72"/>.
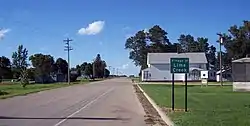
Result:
<point x="226" y="75"/>
<point x="159" y="67"/>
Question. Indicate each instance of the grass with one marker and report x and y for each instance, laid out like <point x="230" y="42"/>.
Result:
<point x="208" y="106"/>
<point x="189" y="83"/>
<point x="8" y="89"/>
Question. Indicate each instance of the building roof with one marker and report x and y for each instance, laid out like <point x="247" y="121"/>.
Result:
<point x="162" y="58"/>
<point x="223" y="71"/>
<point x="242" y="60"/>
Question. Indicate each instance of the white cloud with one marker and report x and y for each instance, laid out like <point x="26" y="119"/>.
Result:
<point x="145" y="30"/>
<point x="92" y="29"/>
<point x="3" y="32"/>
<point x="125" y="66"/>
<point x="126" y="28"/>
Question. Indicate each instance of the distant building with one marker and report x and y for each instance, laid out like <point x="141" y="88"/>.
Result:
<point x="226" y="75"/>
<point x="159" y="67"/>
<point x="59" y="77"/>
<point x="241" y="74"/>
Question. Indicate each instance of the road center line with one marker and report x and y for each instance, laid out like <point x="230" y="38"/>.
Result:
<point x="85" y="106"/>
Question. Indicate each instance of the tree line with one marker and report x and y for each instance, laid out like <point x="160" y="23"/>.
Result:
<point x="44" y="66"/>
<point x="155" y="40"/>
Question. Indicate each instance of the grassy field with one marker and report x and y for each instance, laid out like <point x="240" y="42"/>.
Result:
<point x="189" y="83"/>
<point x="208" y="106"/>
<point x="17" y="89"/>
<point x="9" y="89"/>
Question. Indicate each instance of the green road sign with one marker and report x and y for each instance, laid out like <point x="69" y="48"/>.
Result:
<point x="179" y="65"/>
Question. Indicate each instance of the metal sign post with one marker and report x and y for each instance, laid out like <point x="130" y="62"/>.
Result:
<point x="179" y="65"/>
<point x="173" y="91"/>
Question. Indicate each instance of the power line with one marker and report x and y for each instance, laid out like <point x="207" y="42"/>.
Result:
<point x="68" y="48"/>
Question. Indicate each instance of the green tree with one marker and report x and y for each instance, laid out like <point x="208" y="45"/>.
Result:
<point x="31" y="73"/>
<point x="89" y="70"/>
<point x="237" y="42"/>
<point x="211" y="56"/>
<point x="5" y="68"/>
<point x="19" y="61"/>
<point x="82" y="67"/>
<point x="159" y="41"/>
<point x="153" y="41"/>
<point x="138" y="47"/>
<point x="61" y="66"/>
<point x="43" y="66"/>
<point x="187" y="43"/>
<point x="99" y="66"/>
<point x="24" y="77"/>
<point x="106" y="73"/>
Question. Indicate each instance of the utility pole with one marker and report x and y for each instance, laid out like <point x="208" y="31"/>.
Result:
<point x="68" y="49"/>
<point x="220" y="41"/>
<point x="110" y="69"/>
<point x="117" y="71"/>
<point x="93" y="70"/>
<point x="114" y="71"/>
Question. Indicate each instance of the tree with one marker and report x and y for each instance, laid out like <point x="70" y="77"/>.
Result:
<point x="19" y="61"/>
<point x="5" y="68"/>
<point x="107" y="73"/>
<point x="61" y="66"/>
<point x="187" y="43"/>
<point x="89" y="70"/>
<point x="159" y="41"/>
<point x="237" y="43"/>
<point x="31" y="73"/>
<point x="78" y="69"/>
<point x="153" y="41"/>
<point x="99" y="66"/>
<point x="83" y="67"/>
<point x="43" y="66"/>
<point x="74" y="74"/>
<point x="226" y="61"/>
<point x="24" y="77"/>
<point x="211" y="56"/>
<point x="137" y="45"/>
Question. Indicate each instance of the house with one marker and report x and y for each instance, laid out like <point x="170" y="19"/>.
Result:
<point x="240" y="72"/>
<point x="226" y="75"/>
<point x="58" y="77"/>
<point x="159" y="67"/>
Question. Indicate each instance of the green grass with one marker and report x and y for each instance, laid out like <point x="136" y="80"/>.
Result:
<point x="16" y="89"/>
<point x="190" y="83"/>
<point x="208" y="106"/>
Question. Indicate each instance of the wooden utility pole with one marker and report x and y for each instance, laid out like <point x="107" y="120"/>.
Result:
<point x="68" y="49"/>
<point x="220" y="41"/>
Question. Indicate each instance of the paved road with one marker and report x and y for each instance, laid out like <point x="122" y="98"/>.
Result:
<point x="106" y="103"/>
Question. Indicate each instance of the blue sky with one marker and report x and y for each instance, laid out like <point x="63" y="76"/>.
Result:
<point x="42" y="25"/>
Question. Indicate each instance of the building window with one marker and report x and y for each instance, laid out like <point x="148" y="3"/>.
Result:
<point x="145" y="74"/>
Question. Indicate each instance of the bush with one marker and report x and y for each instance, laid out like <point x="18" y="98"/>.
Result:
<point x="73" y="77"/>
<point x="3" y="93"/>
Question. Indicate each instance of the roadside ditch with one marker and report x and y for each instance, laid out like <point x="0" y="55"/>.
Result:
<point x="152" y="116"/>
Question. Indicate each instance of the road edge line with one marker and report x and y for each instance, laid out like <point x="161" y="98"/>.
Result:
<point x="163" y="116"/>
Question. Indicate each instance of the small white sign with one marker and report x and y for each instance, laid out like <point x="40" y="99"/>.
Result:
<point x="204" y="74"/>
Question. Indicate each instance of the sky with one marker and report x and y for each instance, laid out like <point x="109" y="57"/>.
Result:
<point x="102" y="26"/>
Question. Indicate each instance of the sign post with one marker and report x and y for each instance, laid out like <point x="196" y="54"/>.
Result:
<point x="179" y="65"/>
<point x="173" y="91"/>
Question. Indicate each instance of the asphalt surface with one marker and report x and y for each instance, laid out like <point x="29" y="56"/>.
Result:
<point x="105" y="103"/>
